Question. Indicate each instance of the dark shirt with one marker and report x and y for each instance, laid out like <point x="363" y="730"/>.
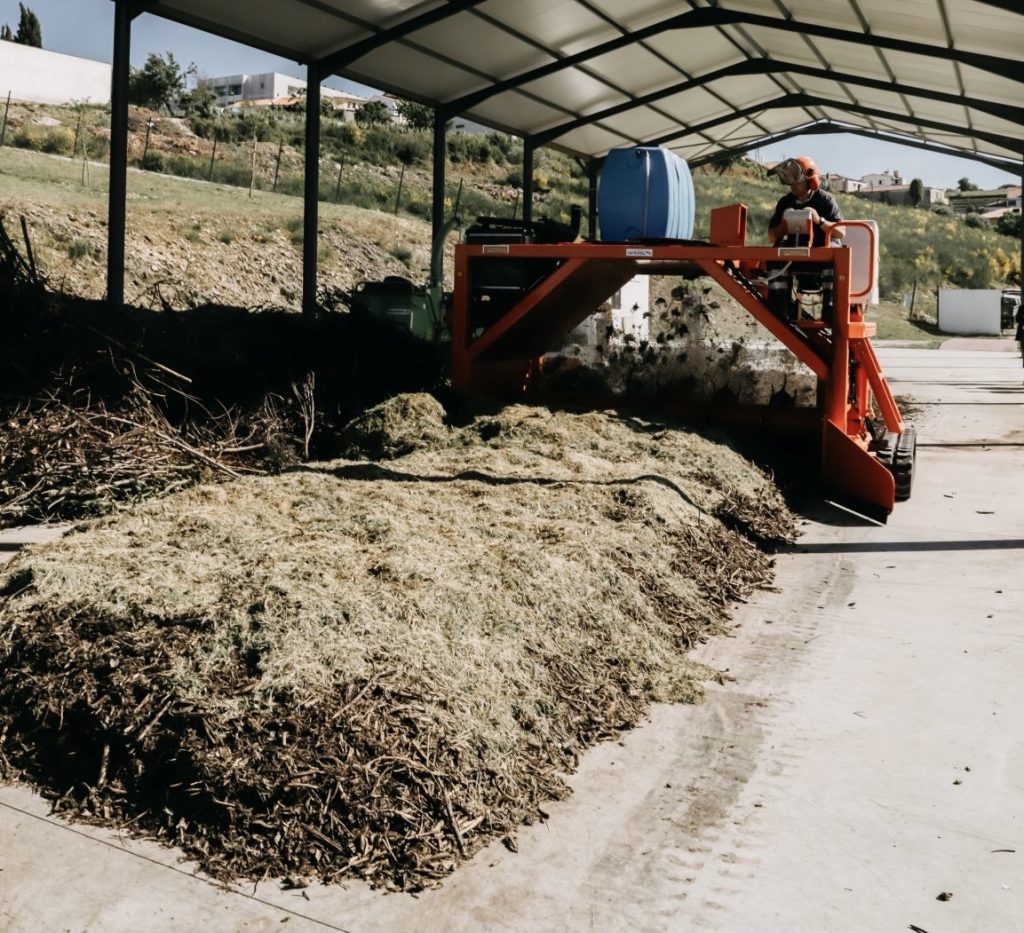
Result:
<point x="821" y="201"/>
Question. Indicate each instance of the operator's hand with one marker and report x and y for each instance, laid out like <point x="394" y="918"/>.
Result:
<point x="815" y="216"/>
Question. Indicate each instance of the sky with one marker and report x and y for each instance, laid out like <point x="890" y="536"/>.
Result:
<point x="85" y="28"/>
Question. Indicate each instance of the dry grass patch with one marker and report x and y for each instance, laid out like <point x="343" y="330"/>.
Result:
<point x="373" y="667"/>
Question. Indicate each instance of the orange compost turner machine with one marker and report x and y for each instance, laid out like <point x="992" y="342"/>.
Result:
<point x="513" y="300"/>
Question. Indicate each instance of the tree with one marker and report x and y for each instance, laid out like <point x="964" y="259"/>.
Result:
<point x="965" y="184"/>
<point x="416" y="116"/>
<point x="1009" y="224"/>
<point x="916" y="192"/>
<point x="30" y="32"/>
<point x="199" y="101"/>
<point x="373" y="113"/>
<point x="159" y="83"/>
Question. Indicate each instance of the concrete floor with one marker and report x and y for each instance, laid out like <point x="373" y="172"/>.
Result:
<point x="864" y="755"/>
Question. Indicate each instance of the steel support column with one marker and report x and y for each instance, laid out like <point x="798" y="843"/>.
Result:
<point x="527" y="181"/>
<point x="118" y="187"/>
<point x="437" y="183"/>
<point x="311" y="191"/>
<point x="593" y="169"/>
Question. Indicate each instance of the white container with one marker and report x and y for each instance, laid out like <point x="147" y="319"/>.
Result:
<point x="863" y="243"/>
<point x="970" y="311"/>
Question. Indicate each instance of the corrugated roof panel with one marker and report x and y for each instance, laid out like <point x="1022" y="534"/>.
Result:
<point x="642" y="123"/>
<point x="695" y="50"/>
<point x="978" y="27"/>
<point x="695" y="106"/>
<point x="594" y="139"/>
<point x="585" y="91"/>
<point x="381" y="12"/>
<point x="305" y="29"/>
<point x="853" y="58"/>
<point x="480" y="46"/>
<point x="915" y="20"/>
<point x="985" y="86"/>
<point x="933" y="73"/>
<point x="836" y="15"/>
<point x="854" y="95"/>
<point x="952" y="114"/>
<point x="559" y="24"/>
<point x="423" y="76"/>
<point x="988" y="123"/>
<point x="781" y="46"/>
<point x="515" y="109"/>
<point x="634" y="14"/>
<point x="638" y="69"/>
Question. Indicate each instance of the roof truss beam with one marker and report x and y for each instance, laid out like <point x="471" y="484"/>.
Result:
<point x="713" y="16"/>
<point x="830" y="126"/>
<point x="805" y="100"/>
<point x="764" y="66"/>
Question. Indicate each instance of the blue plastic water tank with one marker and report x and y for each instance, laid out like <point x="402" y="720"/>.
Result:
<point x="645" y="194"/>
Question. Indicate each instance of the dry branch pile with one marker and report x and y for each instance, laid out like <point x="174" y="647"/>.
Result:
<point x="101" y="409"/>
<point x="373" y="667"/>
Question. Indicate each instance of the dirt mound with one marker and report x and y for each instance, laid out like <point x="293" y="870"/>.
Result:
<point x="373" y="667"/>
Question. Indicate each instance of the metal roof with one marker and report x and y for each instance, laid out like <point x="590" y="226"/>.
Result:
<point x="703" y="78"/>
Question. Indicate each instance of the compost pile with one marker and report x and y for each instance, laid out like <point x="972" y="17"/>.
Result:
<point x="372" y="667"/>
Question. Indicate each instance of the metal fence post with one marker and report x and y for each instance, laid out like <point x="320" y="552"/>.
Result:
<point x="277" y="167"/>
<point x="401" y="181"/>
<point x="7" y="110"/>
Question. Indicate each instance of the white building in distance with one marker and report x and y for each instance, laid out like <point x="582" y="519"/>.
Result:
<point x="882" y="179"/>
<point x="45" y="77"/>
<point x="270" y="87"/>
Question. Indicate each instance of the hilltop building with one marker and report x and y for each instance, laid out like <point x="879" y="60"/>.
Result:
<point x="990" y="204"/>
<point x="274" y="89"/>
<point x="900" y="194"/>
<point x="887" y="179"/>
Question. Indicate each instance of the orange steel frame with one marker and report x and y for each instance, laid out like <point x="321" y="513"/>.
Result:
<point x="500" y="360"/>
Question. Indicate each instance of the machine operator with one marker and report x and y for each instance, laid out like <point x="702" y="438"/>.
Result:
<point x="801" y="174"/>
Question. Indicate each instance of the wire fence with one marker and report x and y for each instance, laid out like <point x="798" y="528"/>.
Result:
<point x="385" y="169"/>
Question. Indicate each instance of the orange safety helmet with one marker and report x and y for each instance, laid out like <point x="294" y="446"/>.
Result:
<point x="794" y="171"/>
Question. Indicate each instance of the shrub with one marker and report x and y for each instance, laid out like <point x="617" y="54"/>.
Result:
<point x="59" y="141"/>
<point x="79" y="248"/>
<point x="153" y="162"/>
<point x="186" y="166"/>
<point x="402" y="253"/>
<point x="28" y="138"/>
<point x="413" y="148"/>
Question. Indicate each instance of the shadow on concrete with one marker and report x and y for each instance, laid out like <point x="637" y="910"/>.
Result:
<point x="870" y="547"/>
